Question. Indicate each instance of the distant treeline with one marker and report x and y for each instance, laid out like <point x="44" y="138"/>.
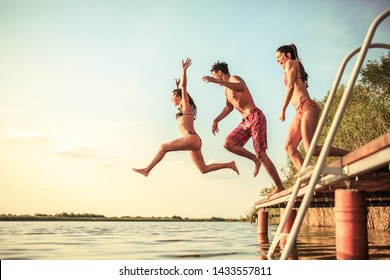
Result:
<point x="95" y="217"/>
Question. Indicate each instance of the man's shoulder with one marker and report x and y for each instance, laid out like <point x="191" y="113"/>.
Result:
<point x="236" y="77"/>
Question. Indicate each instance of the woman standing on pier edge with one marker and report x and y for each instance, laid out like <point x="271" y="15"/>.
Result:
<point x="305" y="121"/>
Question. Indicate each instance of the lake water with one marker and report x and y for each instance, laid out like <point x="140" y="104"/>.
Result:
<point x="162" y="241"/>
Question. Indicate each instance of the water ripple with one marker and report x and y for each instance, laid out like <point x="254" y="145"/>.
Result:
<point x="161" y="240"/>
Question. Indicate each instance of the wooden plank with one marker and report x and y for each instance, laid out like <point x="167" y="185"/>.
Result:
<point x="371" y="148"/>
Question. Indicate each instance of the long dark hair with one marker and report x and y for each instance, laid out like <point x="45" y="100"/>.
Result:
<point x="178" y="92"/>
<point x="293" y="51"/>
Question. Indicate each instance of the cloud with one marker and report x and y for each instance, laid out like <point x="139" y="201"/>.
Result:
<point x="90" y="153"/>
<point x="24" y="136"/>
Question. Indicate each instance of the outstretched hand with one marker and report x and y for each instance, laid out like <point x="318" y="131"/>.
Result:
<point x="209" y="79"/>
<point x="187" y="63"/>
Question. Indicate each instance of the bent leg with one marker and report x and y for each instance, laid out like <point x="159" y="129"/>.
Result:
<point x="309" y="125"/>
<point x="233" y="147"/>
<point x="180" y="144"/>
<point x="333" y="152"/>
<point x="271" y="170"/>
<point x="337" y="152"/>
<point x="199" y="162"/>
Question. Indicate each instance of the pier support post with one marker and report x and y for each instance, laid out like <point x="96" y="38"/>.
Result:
<point x="262" y="234"/>
<point x="351" y="225"/>
<point x="290" y="220"/>
<point x="286" y="232"/>
<point x="262" y="222"/>
<point x="262" y="227"/>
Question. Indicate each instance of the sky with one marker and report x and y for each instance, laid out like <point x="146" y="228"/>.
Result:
<point x="85" y="96"/>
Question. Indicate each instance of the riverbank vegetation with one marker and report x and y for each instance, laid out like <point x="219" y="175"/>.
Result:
<point x="378" y="218"/>
<point x="95" y="217"/>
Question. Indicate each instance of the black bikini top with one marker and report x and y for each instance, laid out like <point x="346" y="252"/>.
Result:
<point x="180" y="113"/>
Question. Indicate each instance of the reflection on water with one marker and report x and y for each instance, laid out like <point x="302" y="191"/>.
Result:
<point x="163" y="240"/>
<point x="319" y="243"/>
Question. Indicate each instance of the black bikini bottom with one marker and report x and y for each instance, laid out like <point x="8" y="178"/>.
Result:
<point x="190" y="132"/>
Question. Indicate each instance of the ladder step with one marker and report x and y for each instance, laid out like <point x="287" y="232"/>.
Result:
<point x="281" y="234"/>
<point x="335" y="170"/>
<point x="305" y="173"/>
<point x="326" y="170"/>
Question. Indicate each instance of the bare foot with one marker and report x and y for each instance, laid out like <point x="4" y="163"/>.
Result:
<point x="142" y="171"/>
<point x="233" y="166"/>
<point x="275" y="191"/>
<point x="257" y="168"/>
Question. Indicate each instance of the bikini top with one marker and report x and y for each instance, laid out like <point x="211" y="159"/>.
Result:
<point x="180" y="113"/>
<point x="285" y="78"/>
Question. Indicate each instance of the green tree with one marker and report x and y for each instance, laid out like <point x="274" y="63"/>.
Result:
<point x="376" y="75"/>
<point x="368" y="112"/>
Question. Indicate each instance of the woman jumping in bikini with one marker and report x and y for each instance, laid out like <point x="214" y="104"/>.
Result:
<point x="306" y="119"/>
<point x="190" y="141"/>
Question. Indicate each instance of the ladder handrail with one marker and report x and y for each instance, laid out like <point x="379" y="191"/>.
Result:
<point x="329" y="139"/>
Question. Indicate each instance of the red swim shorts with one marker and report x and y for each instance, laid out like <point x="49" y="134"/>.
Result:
<point x="254" y="125"/>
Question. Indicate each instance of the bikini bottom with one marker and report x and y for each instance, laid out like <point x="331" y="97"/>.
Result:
<point x="308" y="101"/>
<point x="191" y="132"/>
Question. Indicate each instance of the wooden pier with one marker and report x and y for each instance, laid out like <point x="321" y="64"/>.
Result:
<point x="363" y="174"/>
<point x="365" y="169"/>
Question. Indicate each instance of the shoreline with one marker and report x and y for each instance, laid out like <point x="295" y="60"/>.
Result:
<point x="48" y="218"/>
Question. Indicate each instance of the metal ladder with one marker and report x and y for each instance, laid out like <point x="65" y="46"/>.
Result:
<point x="314" y="173"/>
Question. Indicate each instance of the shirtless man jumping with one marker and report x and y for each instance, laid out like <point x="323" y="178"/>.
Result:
<point x="253" y="122"/>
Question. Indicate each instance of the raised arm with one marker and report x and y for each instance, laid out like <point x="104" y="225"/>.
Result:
<point x="235" y="84"/>
<point x="185" y="65"/>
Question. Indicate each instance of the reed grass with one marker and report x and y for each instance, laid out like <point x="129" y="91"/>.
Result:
<point x="378" y="218"/>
